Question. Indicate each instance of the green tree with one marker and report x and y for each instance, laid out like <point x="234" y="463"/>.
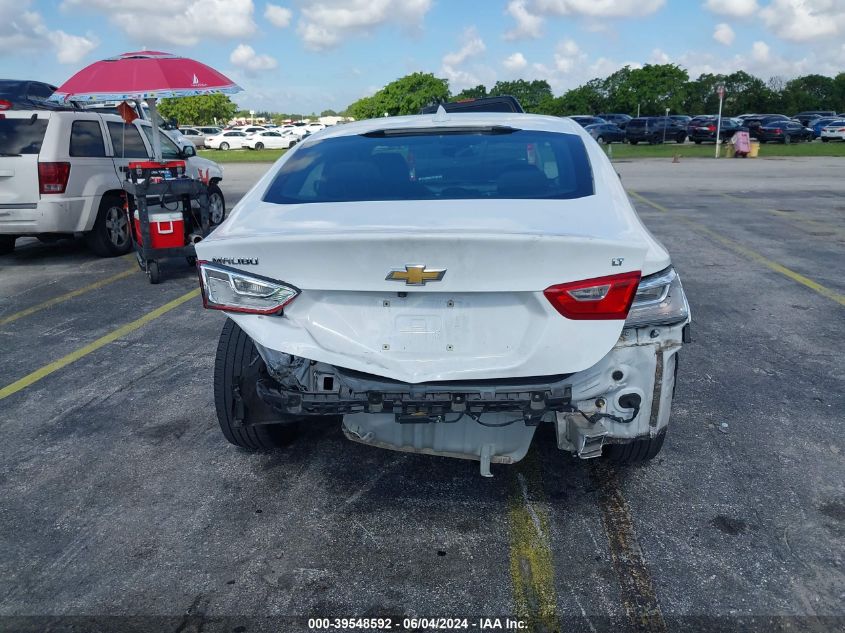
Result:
<point x="407" y="95"/>
<point x="810" y="92"/>
<point x="479" y="92"/>
<point x="328" y="113"/>
<point x="200" y="110"/>
<point x="586" y="99"/>
<point x="529" y="93"/>
<point x="657" y="87"/>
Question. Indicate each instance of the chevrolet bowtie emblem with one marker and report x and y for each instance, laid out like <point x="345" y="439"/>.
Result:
<point x="416" y="275"/>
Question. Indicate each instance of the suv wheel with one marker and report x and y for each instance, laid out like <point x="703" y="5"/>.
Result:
<point x="7" y="244"/>
<point x="110" y="235"/>
<point x="236" y="368"/>
<point x="216" y="204"/>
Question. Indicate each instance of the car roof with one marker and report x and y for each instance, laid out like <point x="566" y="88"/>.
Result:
<point x="455" y="120"/>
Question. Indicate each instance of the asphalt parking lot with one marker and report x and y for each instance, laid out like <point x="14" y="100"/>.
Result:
<point x="122" y="502"/>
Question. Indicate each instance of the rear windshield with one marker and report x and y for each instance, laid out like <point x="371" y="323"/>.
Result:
<point x="436" y="165"/>
<point x="21" y="136"/>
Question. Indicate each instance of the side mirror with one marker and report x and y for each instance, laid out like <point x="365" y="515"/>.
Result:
<point x="188" y="151"/>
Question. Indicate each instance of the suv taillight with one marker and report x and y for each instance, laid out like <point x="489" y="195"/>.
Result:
<point x="601" y="298"/>
<point x="53" y="177"/>
<point x="5" y="105"/>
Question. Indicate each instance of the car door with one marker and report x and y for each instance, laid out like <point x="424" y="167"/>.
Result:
<point x="128" y="145"/>
<point x="92" y="167"/>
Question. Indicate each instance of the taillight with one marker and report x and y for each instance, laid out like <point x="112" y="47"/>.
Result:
<point x="711" y="128"/>
<point x="5" y="105"/>
<point x="231" y="290"/>
<point x="601" y="298"/>
<point x="52" y="177"/>
<point x="778" y="131"/>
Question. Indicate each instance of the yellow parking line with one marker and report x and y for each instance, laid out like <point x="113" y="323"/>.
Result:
<point x="532" y="570"/>
<point x="68" y="295"/>
<point x="45" y="371"/>
<point x="751" y="254"/>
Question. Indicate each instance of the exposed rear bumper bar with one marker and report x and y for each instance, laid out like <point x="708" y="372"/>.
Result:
<point x="422" y="403"/>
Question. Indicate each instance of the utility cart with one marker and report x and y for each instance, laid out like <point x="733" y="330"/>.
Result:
<point x="172" y="231"/>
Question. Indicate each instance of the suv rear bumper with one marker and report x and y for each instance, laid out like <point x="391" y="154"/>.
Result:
<point x="61" y="215"/>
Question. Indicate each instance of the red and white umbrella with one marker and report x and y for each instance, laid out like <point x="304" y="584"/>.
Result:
<point x="148" y="75"/>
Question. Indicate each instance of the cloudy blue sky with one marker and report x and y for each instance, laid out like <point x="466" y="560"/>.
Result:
<point x="302" y="56"/>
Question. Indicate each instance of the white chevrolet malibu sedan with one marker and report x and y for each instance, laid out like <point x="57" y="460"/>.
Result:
<point x="444" y="285"/>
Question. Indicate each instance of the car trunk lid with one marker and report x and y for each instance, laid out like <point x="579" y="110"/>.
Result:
<point x="485" y="316"/>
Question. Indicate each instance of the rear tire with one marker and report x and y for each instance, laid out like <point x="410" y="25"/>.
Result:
<point x="259" y="146"/>
<point x="224" y="146"/>
<point x="633" y="142"/>
<point x="636" y="452"/>
<point x="216" y="204"/>
<point x="697" y="142"/>
<point x="237" y="358"/>
<point x="7" y="244"/>
<point x="825" y="139"/>
<point x="110" y="235"/>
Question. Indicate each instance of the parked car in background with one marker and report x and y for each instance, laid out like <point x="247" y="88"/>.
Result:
<point x="585" y="119"/>
<point x="62" y="173"/>
<point x="249" y="129"/>
<point x="606" y="132"/>
<point x="834" y="131"/>
<point x="618" y="119"/>
<point x="682" y="120"/>
<point x="703" y="129"/>
<point x="23" y="94"/>
<point x="783" y="131"/>
<point x="194" y="135"/>
<point x="809" y="115"/>
<point x="501" y="103"/>
<point x="818" y="124"/>
<point x="754" y="122"/>
<point x="271" y="139"/>
<point x="229" y="139"/>
<point x="655" y="130"/>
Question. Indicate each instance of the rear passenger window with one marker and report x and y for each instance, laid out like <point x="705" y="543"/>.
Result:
<point x="126" y="140"/>
<point x="86" y="139"/>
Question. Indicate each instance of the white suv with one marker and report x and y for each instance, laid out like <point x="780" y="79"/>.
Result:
<point x="61" y="173"/>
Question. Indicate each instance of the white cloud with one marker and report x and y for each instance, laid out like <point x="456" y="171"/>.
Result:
<point x="183" y="22"/>
<point x="71" y="49"/>
<point x="724" y="34"/>
<point x="278" y="16"/>
<point x="244" y="56"/>
<point x="327" y="23"/>
<point x="598" y="8"/>
<point x="515" y="62"/>
<point x="528" y="25"/>
<point x="736" y="8"/>
<point x="760" y="52"/>
<point x="23" y="30"/>
<point x="472" y="46"/>
<point x="804" y="20"/>
<point x="659" y="56"/>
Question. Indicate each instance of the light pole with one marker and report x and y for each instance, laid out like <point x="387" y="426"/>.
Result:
<point x="665" y="123"/>
<point x="721" y="91"/>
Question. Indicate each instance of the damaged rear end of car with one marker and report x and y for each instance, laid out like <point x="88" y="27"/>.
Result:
<point x="444" y="286"/>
